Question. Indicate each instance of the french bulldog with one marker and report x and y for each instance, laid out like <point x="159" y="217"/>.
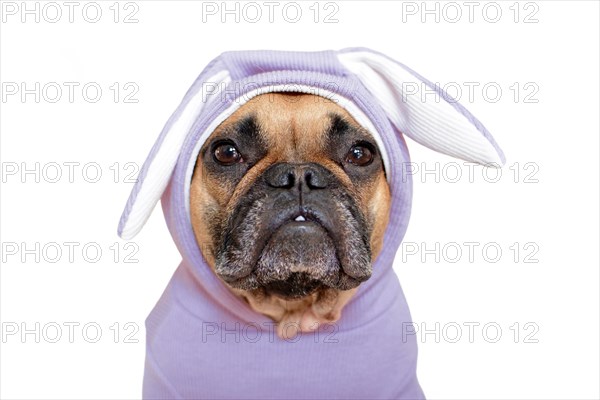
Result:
<point x="282" y="179"/>
<point x="289" y="203"/>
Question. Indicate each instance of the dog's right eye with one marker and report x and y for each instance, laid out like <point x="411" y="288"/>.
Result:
<point x="226" y="154"/>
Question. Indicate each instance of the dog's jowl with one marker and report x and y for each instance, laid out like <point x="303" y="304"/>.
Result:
<point x="282" y="177"/>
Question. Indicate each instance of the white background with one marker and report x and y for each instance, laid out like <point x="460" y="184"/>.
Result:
<point x="163" y="53"/>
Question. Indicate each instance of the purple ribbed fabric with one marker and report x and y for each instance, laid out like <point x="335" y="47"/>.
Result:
<point x="204" y="342"/>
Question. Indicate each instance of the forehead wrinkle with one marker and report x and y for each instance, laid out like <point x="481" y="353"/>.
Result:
<point x="277" y="118"/>
<point x="247" y="181"/>
<point x="338" y="125"/>
<point x="309" y="123"/>
<point x="342" y="125"/>
<point x="247" y="126"/>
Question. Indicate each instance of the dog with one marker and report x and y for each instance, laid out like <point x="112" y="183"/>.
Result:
<point x="289" y="195"/>
<point x="283" y="181"/>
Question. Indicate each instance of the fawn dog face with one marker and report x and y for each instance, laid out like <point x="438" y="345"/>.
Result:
<point x="289" y="204"/>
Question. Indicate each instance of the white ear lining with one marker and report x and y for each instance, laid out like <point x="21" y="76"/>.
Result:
<point x="431" y="121"/>
<point x="163" y="163"/>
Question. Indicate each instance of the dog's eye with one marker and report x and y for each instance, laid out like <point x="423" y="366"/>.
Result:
<point x="360" y="155"/>
<point x="227" y="154"/>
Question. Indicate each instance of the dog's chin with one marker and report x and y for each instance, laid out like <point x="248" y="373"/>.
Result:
<point x="298" y="259"/>
<point x="297" y="286"/>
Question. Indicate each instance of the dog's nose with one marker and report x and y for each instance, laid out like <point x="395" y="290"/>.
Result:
<point x="300" y="176"/>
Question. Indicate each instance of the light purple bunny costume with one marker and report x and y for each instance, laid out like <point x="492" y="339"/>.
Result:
<point x="203" y="341"/>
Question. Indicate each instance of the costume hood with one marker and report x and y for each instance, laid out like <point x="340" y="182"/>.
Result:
<point x="203" y="341"/>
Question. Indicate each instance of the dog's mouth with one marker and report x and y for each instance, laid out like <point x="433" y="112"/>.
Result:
<point x="296" y="256"/>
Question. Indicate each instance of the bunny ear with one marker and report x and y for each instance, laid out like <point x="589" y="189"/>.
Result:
<point x="422" y="111"/>
<point x="156" y="172"/>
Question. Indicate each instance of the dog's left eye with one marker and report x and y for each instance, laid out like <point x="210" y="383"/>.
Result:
<point x="227" y="154"/>
<point x="360" y="154"/>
